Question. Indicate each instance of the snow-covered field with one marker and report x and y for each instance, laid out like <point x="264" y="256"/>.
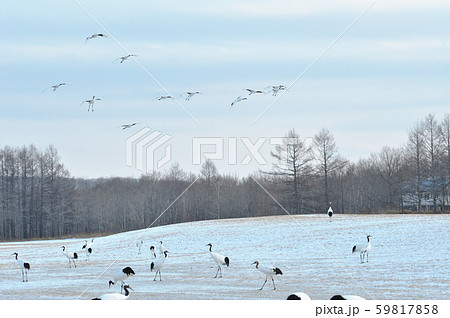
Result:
<point x="409" y="259"/>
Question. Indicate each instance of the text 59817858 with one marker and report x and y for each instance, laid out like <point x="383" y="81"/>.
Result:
<point x="407" y="309"/>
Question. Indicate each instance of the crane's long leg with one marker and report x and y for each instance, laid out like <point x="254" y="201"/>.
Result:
<point x="155" y="276"/>
<point x="367" y="257"/>
<point x="26" y="275"/>
<point x="23" y="277"/>
<point x="273" y="283"/>
<point x="220" y="270"/>
<point x="74" y="263"/>
<point x="159" y="275"/>
<point x="217" y="273"/>
<point x="263" y="284"/>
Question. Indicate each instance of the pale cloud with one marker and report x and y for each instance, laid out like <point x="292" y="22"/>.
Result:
<point x="252" y="51"/>
<point x="15" y="52"/>
<point x="302" y="8"/>
<point x="420" y="44"/>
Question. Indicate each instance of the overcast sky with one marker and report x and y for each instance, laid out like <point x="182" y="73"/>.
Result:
<point x="390" y="69"/>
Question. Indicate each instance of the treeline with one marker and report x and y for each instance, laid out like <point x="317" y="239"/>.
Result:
<point x="36" y="194"/>
<point x="39" y="199"/>
<point x="413" y="177"/>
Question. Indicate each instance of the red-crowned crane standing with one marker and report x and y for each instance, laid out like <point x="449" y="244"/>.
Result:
<point x="269" y="271"/>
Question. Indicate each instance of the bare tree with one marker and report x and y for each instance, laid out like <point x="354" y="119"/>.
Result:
<point x="292" y="167"/>
<point x="328" y="161"/>
<point x="415" y="157"/>
<point x="176" y="173"/>
<point x="392" y="172"/>
<point x="210" y="177"/>
<point x="432" y="153"/>
<point x="444" y="142"/>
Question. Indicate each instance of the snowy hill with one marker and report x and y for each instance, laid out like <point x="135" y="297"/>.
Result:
<point x="403" y="262"/>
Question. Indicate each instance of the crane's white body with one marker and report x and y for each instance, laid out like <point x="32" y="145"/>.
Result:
<point x="237" y="100"/>
<point x="157" y="264"/>
<point x="71" y="256"/>
<point x="113" y="296"/>
<point x="25" y="267"/>
<point x="90" y="244"/>
<point x="163" y="97"/>
<point x="269" y="271"/>
<point x="93" y="36"/>
<point x="363" y="250"/>
<point x="90" y="103"/>
<point x="298" y="296"/>
<point x="346" y="297"/>
<point x="219" y="260"/>
<point x="254" y="91"/>
<point x="139" y="245"/>
<point x="152" y="251"/>
<point x="190" y="94"/>
<point x="124" y="58"/>
<point x="161" y="248"/>
<point x="87" y="247"/>
<point x="126" y="126"/>
<point x="120" y="276"/>
<point x="116" y="296"/>
<point x="275" y="89"/>
<point x="55" y="87"/>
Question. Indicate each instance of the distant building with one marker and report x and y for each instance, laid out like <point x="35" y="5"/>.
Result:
<point x="410" y="197"/>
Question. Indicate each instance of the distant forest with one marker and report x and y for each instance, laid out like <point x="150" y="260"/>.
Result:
<point x="39" y="198"/>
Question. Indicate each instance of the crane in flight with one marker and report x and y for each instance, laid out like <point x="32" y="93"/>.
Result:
<point x="90" y="103"/>
<point x="96" y="35"/>
<point x="55" y="87"/>
<point x="124" y="58"/>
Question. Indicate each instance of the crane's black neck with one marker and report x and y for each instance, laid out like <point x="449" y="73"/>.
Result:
<point x="16" y="255"/>
<point x="210" y="247"/>
<point x="126" y="290"/>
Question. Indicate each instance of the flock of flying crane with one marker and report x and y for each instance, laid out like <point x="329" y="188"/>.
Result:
<point x="158" y="263"/>
<point x="274" y="89"/>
